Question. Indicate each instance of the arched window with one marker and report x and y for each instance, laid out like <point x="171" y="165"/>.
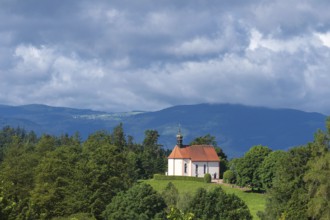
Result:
<point x="185" y="168"/>
<point x="204" y="168"/>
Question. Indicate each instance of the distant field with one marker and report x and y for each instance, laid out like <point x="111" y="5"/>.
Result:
<point x="255" y="202"/>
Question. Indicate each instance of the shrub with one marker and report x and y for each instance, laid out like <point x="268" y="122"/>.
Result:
<point x="139" y="202"/>
<point x="207" y="178"/>
<point x="170" y="195"/>
<point x="224" y="206"/>
<point x="229" y="177"/>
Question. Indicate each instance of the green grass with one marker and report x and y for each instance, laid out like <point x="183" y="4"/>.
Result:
<point x="255" y="201"/>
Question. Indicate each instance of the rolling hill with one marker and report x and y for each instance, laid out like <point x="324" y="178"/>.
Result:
<point x="236" y="127"/>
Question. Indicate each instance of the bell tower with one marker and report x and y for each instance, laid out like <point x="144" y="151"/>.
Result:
<point x="179" y="139"/>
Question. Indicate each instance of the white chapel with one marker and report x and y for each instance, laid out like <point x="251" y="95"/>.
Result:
<point x="194" y="160"/>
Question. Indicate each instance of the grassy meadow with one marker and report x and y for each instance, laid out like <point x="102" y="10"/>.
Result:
<point x="255" y="201"/>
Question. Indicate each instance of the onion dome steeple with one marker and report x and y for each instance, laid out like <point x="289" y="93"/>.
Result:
<point x="179" y="138"/>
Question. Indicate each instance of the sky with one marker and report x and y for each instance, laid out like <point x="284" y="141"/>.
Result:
<point x="148" y="55"/>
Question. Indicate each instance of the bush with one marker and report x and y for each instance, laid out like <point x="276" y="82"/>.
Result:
<point x="189" y="178"/>
<point x="224" y="206"/>
<point x="229" y="177"/>
<point x="139" y="202"/>
<point x="207" y="178"/>
<point x="170" y="195"/>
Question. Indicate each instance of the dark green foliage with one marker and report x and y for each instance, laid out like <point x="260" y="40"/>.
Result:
<point x="216" y="204"/>
<point x="58" y="189"/>
<point x="139" y="202"/>
<point x="53" y="177"/>
<point x="170" y="195"/>
<point x="190" y="178"/>
<point x="152" y="158"/>
<point x="119" y="137"/>
<point x="223" y="160"/>
<point x="59" y="176"/>
<point x="269" y="167"/>
<point x="300" y="187"/>
<point x="204" y="140"/>
<point x="184" y="202"/>
<point x="229" y="177"/>
<point x="106" y="171"/>
<point x="16" y="179"/>
<point x="207" y="178"/>
<point x="317" y="177"/>
<point x="318" y="183"/>
<point x="287" y="182"/>
<point x="246" y="167"/>
<point x="301" y="184"/>
<point x="7" y="134"/>
<point x="296" y="208"/>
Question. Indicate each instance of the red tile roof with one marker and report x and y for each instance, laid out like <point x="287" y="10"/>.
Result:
<point x="195" y="153"/>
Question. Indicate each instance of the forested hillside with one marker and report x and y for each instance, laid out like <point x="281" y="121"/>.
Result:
<point x="236" y="127"/>
<point x="296" y="181"/>
<point x="55" y="177"/>
<point x="51" y="176"/>
<point x="63" y="178"/>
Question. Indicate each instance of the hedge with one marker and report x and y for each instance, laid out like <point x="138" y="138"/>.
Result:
<point x="189" y="178"/>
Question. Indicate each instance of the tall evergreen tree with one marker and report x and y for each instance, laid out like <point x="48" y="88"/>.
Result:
<point x="59" y="190"/>
<point x="107" y="171"/>
<point x="119" y="137"/>
<point x="17" y="179"/>
<point x="318" y="183"/>
<point x="153" y="157"/>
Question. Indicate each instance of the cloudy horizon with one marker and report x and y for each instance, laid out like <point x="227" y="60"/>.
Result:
<point x="138" y="55"/>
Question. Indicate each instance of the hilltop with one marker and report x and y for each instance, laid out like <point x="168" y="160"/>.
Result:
<point x="236" y="127"/>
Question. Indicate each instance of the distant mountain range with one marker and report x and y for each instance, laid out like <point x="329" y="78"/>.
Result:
<point x="236" y="127"/>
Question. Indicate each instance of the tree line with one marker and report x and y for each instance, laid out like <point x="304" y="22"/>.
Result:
<point x="296" y="181"/>
<point x="47" y="177"/>
<point x="52" y="177"/>
<point x="143" y="202"/>
<point x="63" y="178"/>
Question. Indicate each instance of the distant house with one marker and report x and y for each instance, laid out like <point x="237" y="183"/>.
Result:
<point x="194" y="160"/>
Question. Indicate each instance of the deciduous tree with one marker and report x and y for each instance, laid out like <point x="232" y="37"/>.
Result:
<point x="216" y="204"/>
<point x="248" y="165"/>
<point x="269" y="167"/>
<point x="139" y="202"/>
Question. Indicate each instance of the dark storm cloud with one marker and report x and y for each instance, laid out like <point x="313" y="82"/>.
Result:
<point x="124" y="55"/>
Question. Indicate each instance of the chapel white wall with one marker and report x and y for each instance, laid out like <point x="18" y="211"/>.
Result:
<point x="175" y="167"/>
<point x="210" y="167"/>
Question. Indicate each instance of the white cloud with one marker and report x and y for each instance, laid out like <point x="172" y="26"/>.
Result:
<point x="34" y="58"/>
<point x="325" y="38"/>
<point x="291" y="45"/>
<point x="125" y="55"/>
<point x="199" y="46"/>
